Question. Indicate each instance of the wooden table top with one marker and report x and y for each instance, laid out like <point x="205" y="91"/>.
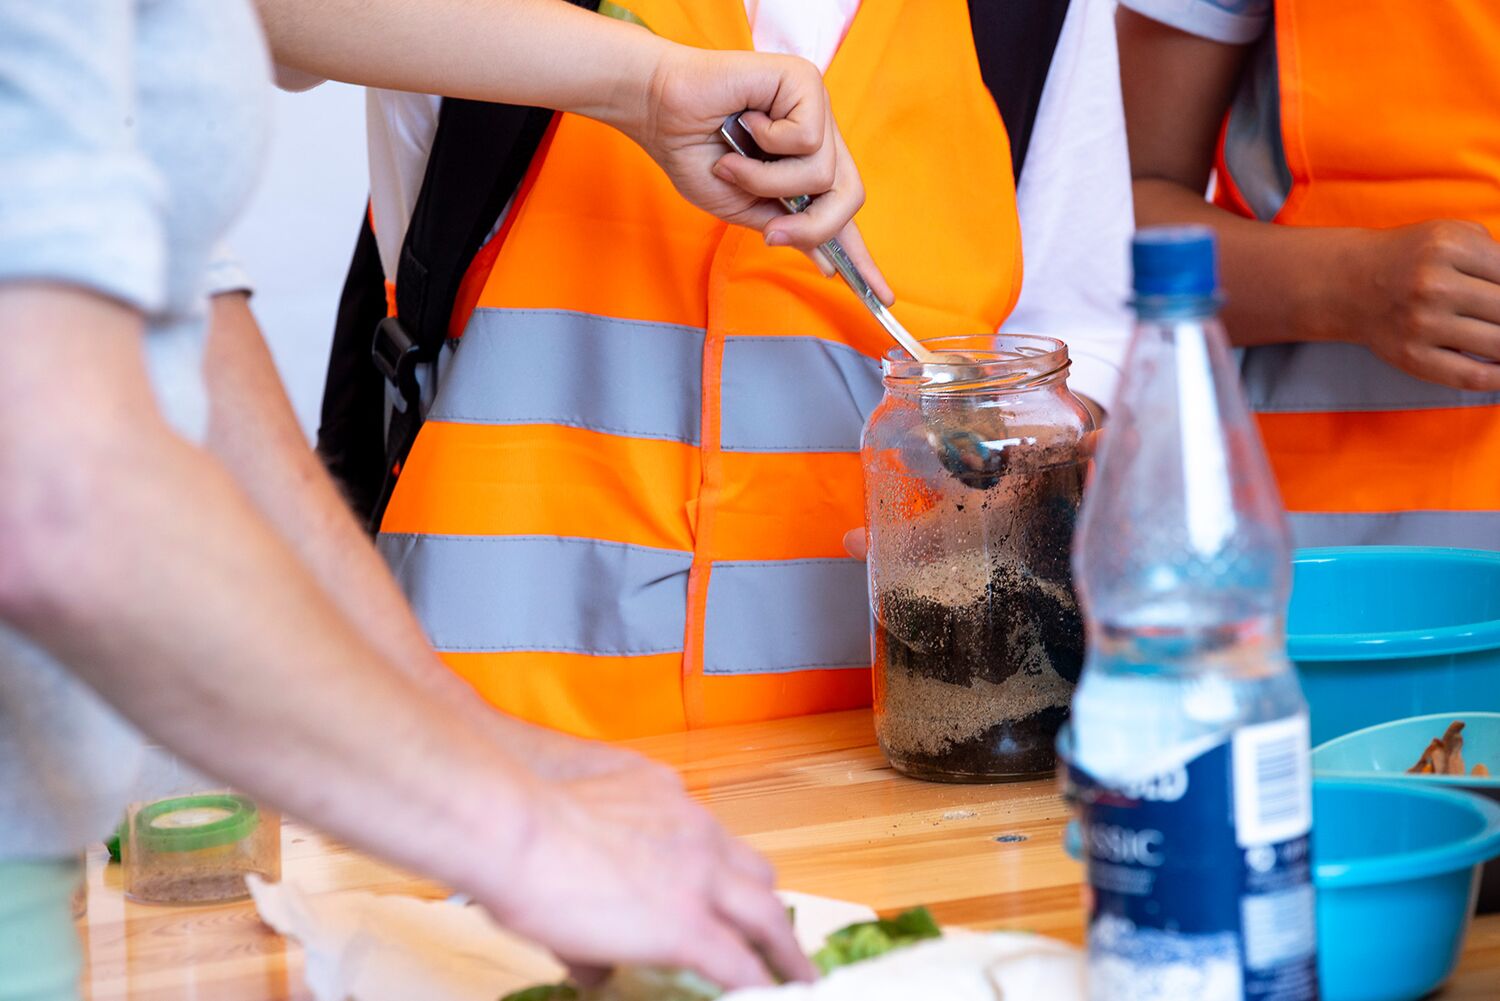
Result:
<point x="814" y="794"/>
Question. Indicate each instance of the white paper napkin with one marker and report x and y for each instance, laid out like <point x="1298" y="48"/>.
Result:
<point x="373" y="947"/>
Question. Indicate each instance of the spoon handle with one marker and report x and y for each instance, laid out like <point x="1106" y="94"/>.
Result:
<point x="856" y="281"/>
<point x="738" y="138"/>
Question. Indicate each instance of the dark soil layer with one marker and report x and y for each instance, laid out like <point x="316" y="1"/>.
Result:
<point x="974" y="679"/>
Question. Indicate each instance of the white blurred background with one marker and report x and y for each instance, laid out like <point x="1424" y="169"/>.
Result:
<point x="296" y="236"/>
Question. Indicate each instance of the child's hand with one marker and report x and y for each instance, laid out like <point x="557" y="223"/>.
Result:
<point x="692" y="91"/>
<point x="1426" y="299"/>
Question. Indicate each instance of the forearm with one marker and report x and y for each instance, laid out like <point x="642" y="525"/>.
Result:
<point x="1280" y="282"/>
<point x="533" y="52"/>
<point x="136" y="560"/>
<point x="254" y="433"/>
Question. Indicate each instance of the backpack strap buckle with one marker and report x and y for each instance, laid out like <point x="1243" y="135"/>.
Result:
<point x="396" y="356"/>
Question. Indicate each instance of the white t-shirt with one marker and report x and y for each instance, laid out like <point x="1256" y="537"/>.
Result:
<point x="1074" y="198"/>
<point x="1234" y="22"/>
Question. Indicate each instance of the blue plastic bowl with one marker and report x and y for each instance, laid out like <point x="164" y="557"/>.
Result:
<point x="1396" y="866"/>
<point x="1385" y="633"/>
<point x="1391" y="748"/>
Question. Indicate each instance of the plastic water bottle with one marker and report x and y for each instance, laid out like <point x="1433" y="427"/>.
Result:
<point x="1188" y="755"/>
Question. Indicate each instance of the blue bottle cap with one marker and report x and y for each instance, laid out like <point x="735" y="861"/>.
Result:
<point x="1175" y="261"/>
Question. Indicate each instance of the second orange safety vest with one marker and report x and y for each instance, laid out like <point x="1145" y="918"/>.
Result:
<point x="624" y="513"/>
<point x="1373" y="114"/>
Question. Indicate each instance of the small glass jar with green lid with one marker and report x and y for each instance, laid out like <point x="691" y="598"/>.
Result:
<point x="188" y="841"/>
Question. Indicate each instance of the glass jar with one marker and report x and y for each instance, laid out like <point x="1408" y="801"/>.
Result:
<point x="188" y="840"/>
<point x="973" y="477"/>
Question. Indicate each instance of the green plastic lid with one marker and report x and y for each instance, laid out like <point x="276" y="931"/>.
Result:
<point x="193" y="823"/>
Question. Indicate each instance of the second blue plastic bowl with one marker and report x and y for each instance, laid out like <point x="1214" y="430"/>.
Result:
<point x="1383" y="633"/>
<point x="1396" y="867"/>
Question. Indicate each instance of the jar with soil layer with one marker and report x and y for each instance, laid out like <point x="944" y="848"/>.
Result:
<point x="186" y="839"/>
<point x="978" y="638"/>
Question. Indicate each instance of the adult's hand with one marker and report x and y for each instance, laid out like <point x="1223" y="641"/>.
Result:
<point x="612" y="872"/>
<point x="1426" y="299"/>
<point x="556" y="756"/>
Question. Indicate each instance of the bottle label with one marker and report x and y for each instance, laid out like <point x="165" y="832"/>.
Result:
<point x="1200" y="876"/>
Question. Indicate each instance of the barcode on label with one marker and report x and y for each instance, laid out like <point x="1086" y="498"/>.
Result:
<point x="1272" y="782"/>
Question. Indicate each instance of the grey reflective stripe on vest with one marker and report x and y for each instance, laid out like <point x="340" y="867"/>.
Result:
<point x="525" y="366"/>
<point x="495" y="594"/>
<point x="489" y="594"/>
<point x="795" y="394"/>
<point x="1340" y="378"/>
<point x="1451" y="529"/>
<point x="1254" y="152"/>
<point x="644" y="380"/>
<point x="770" y="617"/>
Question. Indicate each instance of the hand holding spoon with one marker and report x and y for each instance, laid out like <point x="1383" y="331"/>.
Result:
<point x="961" y="452"/>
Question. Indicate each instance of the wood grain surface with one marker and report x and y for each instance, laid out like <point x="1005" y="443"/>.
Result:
<point x="814" y="794"/>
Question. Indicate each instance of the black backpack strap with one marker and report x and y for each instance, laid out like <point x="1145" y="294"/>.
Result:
<point x="479" y="156"/>
<point x="1015" y="40"/>
<point x="480" y="153"/>
<point x="350" y="442"/>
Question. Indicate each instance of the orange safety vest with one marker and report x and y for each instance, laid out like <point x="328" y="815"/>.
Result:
<point x="1377" y="114"/>
<point x="624" y="512"/>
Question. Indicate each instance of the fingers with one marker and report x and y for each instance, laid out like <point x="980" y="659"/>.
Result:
<point x="1473" y="251"/>
<point x="856" y="543"/>
<point x="758" y="216"/>
<point x="1476" y="298"/>
<point x="813" y="161"/>
<point x="785" y="178"/>
<point x="759" y="916"/>
<point x="1450" y="368"/>
<point x="854" y="246"/>
<point x="749" y="863"/>
<point x="799" y="126"/>
<point x="1470" y="336"/>
<point x="719" y="951"/>
<point x="820" y="258"/>
<point x="826" y="217"/>
<point x="830" y="211"/>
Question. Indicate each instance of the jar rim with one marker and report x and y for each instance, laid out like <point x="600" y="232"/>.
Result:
<point x="996" y="362"/>
<point x="234" y="819"/>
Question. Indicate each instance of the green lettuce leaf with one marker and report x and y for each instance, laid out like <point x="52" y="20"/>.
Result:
<point x="545" y="992"/>
<point x="628" y="984"/>
<point x="869" y="939"/>
<point x="853" y="944"/>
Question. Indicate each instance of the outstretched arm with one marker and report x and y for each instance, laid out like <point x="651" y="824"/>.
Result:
<point x="668" y="98"/>
<point x="135" y="558"/>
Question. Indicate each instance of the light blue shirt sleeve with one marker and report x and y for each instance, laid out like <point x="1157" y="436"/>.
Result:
<point x="1234" y="22"/>
<point x="79" y="202"/>
<point x="226" y="272"/>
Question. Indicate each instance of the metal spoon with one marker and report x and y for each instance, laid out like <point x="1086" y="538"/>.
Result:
<point x="963" y="453"/>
